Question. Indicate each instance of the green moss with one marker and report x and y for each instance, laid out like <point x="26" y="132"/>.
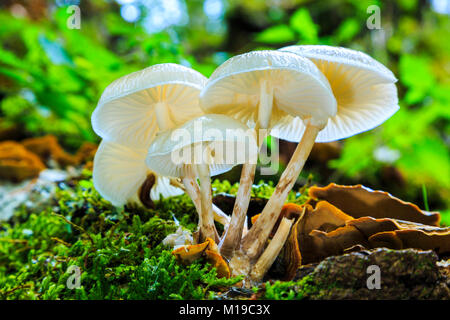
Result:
<point x="279" y="290"/>
<point x="304" y="288"/>
<point x="118" y="250"/>
<point x="262" y="190"/>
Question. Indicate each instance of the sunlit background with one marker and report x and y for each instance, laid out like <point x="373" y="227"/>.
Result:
<point x="51" y="77"/>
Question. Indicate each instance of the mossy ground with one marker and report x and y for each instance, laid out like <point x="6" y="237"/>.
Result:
<point x="118" y="250"/>
<point x="120" y="255"/>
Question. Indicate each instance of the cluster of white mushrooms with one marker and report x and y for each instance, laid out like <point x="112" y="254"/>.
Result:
<point x="304" y="94"/>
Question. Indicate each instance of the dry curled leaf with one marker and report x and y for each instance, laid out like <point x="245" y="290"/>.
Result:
<point x="17" y="163"/>
<point x="216" y="261"/>
<point x="208" y="249"/>
<point x="190" y="253"/>
<point x="86" y="152"/>
<point x="359" y="201"/>
<point x="47" y="147"/>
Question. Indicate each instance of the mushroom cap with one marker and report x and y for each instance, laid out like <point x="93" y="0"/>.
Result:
<point x="216" y="140"/>
<point x="119" y="172"/>
<point x="364" y="89"/>
<point x="126" y="113"/>
<point x="299" y="88"/>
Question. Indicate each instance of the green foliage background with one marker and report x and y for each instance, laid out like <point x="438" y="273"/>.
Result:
<point x="51" y="77"/>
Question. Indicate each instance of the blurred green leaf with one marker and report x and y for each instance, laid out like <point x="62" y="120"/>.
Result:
<point x="417" y="76"/>
<point x="348" y="30"/>
<point x="302" y="23"/>
<point x="276" y="34"/>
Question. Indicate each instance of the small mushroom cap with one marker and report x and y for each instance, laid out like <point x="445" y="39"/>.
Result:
<point x="119" y="172"/>
<point x="216" y="140"/>
<point x="299" y="88"/>
<point x="364" y="89"/>
<point x="126" y="110"/>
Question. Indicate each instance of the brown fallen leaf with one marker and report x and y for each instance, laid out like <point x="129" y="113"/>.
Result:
<point x="47" y="147"/>
<point x="17" y="163"/>
<point x="86" y="152"/>
<point x="190" y="253"/>
<point x="359" y="201"/>
<point x="216" y="261"/>
<point x="208" y="249"/>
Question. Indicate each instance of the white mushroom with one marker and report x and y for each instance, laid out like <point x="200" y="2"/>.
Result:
<point x="135" y="107"/>
<point x="264" y="87"/>
<point x="364" y="89"/>
<point x="366" y="96"/>
<point x="120" y="173"/>
<point x="202" y="147"/>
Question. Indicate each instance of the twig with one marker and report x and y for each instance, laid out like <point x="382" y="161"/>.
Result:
<point x="17" y="288"/>
<point x="61" y="241"/>
<point x="15" y="240"/>
<point x="81" y="229"/>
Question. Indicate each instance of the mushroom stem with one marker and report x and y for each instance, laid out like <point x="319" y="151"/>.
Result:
<point x="190" y="186"/>
<point x="207" y="227"/>
<point x="193" y="190"/>
<point x="231" y="239"/>
<point x="162" y="116"/>
<point x="233" y="234"/>
<point x="220" y="216"/>
<point x="144" y="191"/>
<point x="254" y="241"/>
<point x="266" y="260"/>
<point x="265" y="103"/>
